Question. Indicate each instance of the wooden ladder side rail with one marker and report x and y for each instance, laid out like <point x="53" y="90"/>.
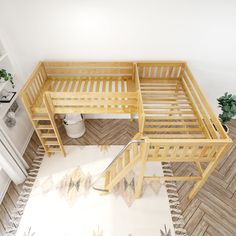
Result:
<point x="50" y="109"/>
<point x="144" y="148"/>
<point x="30" y="115"/>
<point x="123" y="172"/>
<point x="140" y="107"/>
<point x="136" y="140"/>
<point x="212" y="116"/>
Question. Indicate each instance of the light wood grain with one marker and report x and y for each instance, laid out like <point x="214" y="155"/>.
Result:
<point x="165" y="96"/>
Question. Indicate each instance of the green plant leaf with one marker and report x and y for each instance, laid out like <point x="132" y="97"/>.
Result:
<point x="226" y="108"/>
<point x="233" y="109"/>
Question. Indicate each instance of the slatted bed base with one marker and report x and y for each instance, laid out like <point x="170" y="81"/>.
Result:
<point x="175" y="120"/>
<point x="169" y="111"/>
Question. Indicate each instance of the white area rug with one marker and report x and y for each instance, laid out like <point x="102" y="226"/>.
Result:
<point x="62" y="204"/>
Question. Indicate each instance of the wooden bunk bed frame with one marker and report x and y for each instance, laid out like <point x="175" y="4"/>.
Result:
<point x="176" y="123"/>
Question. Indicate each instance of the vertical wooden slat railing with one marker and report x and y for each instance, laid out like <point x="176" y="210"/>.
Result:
<point x="210" y="168"/>
<point x="33" y="88"/>
<point x="160" y="69"/>
<point x="196" y="151"/>
<point x="140" y="108"/>
<point x="212" y="123"/>
<point x="31" y="92"/>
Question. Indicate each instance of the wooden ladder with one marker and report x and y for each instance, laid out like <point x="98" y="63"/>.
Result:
<point x="46" y="129"/>
<point x="50" y="135"/>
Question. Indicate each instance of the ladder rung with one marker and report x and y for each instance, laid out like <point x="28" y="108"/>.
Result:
<point x="54" y="150"/>
<point x="51" y="143"/>
<point x="48" y="135"/>
<point x="107" y="178"/>
<point x="44" y="127"/>
<point x="40" y="118"/>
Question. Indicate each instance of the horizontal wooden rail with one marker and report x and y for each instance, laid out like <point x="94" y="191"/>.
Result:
<point x="69" y="102"/>
<point x="172" y="178"/>
<point x="176" y="150"/>
<point x="72" y="95"/>
<point x="209" y="117"/>
<point x="69" y="69"/>
<point x="189" y="141"/>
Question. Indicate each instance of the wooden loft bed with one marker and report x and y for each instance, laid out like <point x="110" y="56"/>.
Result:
<point x="176" y="123"/>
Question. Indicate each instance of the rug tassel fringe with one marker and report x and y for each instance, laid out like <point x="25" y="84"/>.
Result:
<point x="176" y="213"/>
<point x="24" y="196"/>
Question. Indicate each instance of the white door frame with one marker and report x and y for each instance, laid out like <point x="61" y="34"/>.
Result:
<point x="11" y="160"/>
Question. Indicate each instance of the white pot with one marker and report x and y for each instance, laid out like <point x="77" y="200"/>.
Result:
<point x="74" y="125"/>
<point x="2" y="80"/>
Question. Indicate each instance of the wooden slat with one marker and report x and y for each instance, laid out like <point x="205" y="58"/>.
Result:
<point x="37" y="117"/>
<point x="94" y="95"/>
<point x="54" y="149"/>
<point x="170" y="123"/>
<point x="174" y="178"/>
<point x="147" y="111"/>
<point x="92" y="110"/>
<point x="167" y="129"/>
<point x="165" y="118"/>
<point x="48" y="135"/>
<point x="176" y="136"/>
<point x="83" y="102"/>
<point x="44" y="127"/>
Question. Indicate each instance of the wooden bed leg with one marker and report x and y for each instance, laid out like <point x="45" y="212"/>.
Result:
<point x="144" y="155"/>
<point x="207" y="172"/>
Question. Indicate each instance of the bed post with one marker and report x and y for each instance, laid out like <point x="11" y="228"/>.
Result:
<point x="210" y="168"/>
<point x="144" y="148"/>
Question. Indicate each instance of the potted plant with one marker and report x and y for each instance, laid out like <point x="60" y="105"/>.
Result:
<point x="227" y="103"/>
<point x="5" y="76"/>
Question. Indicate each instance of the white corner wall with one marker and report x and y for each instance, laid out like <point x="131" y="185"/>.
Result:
<point x="201" y="32"/>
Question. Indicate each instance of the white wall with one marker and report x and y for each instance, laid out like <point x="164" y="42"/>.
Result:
<point x="202" y="32"/>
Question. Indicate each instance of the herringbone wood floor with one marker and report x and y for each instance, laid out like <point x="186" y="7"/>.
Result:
<point x="211" y="212"/>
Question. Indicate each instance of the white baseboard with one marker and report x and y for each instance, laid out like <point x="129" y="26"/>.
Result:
<point x="22" y="151"/>
<point x="5" y="184"/>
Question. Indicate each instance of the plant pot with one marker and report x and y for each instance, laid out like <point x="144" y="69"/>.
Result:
<point x="74" y="125"/>
<point x="226" y="128"/>
<point x="2" y="80"/>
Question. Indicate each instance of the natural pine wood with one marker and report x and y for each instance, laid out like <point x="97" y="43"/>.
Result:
<point x="156" y="91"/>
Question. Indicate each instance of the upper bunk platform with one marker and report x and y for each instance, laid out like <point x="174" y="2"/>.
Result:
<point x="84" y="87"/>
<point x="166" y="97"/>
